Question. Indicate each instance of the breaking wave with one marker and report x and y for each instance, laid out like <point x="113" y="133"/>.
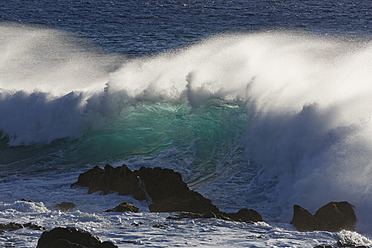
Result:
<point x="275" y="118"/>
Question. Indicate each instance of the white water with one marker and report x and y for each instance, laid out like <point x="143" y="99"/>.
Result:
<point x="154" y="230"/>
<point x="308" y="99"/>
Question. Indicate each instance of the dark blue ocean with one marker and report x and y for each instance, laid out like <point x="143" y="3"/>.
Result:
<point x="258" y="104"/>
<point x="137" y="28"/>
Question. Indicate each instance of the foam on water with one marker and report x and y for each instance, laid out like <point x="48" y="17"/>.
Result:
<point x="308" y="101"/>
<point x="272" y="118"/>
<point x="154" y="230"/>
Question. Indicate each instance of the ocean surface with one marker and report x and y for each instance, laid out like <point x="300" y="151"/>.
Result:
<point x="258" y="104"/>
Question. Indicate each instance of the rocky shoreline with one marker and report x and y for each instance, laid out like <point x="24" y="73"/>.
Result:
<point x="165" y="191"/>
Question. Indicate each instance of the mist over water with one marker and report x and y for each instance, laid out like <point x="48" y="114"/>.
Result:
<point x="302" y="106"/>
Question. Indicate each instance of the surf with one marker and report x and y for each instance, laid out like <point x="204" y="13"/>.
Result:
<point x="276" y="117"/>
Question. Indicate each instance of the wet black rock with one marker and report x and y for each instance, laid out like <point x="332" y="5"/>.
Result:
<point x="63" y="243"/>
<point x="334" y="216"/>
<point x="12" y="226"/>
<point x="244" y="215"/>
<point x="120" y="179"/>
<point x="164" y="188"/>
<point x="124" y="207"/>
<point x="70" y="237"/>
<point x="303" y="220"/>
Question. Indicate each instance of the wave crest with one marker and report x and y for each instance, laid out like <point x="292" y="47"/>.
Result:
<point x="306" y="101"/>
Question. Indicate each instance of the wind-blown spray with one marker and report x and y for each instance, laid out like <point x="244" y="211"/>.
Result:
<point x="292" y="109"/>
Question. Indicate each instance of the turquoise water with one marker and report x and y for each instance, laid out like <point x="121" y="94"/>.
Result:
<point x="260" y="105"/>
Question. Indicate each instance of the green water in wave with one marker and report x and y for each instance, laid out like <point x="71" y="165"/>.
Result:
<point x="147" y="130"/>
<point x="192" y="141"/>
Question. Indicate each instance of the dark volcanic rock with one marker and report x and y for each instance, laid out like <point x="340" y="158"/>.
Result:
<point x="190" y="202"/>
<point x="334" y="216"/>
<point x="70" y="237"/>
<point x="120" y="179"/>
<point x="303" y="220"/>
<point x="124" y="207"/>
<point x="70" y="234"/>
<point x="163" y="184"/>
<point x="244" y="215"/>
<point x="12" y="226"/>
<point x="63" y="243"/>
<point x="169" y="193"/>
<point x="65" y="206"/>
<point x="163" y="187"/>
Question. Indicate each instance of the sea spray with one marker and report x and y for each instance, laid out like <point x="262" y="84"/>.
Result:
<point x="307" y="102"/>
<point x="48" y="60"/>
<point x="275" y="118"/>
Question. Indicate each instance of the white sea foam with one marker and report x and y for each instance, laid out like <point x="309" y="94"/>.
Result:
<point x="154" y="230"/>
<point x="311" y="99"/>
<point x="307" y="99"/>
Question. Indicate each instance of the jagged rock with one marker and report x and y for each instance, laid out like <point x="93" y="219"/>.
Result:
<point x="244" y="215"/>
<point x="63" y="243"/>
<point x="106" y="244"/>
<point x="12" y="226"/>
<point x="65" y="206"/>
<point x="163" y="187"/>
<point x="163" y="184"/>
<point x="124" y="207"/>
<point x="120" y="179"/>
<point x="303" y="220"/>
<point x="334" y="216"/>
<point x="192" y="202"/>
<point x="69" y="237"/>
<point x="72" y="235"/>
<point x="169" y="193"/>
